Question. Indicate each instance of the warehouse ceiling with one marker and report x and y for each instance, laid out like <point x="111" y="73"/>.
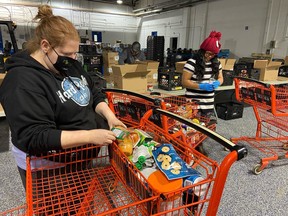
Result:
<point x="131" y="3"/>
<point x="147" y="7"/>
<point x="159" y="6"/>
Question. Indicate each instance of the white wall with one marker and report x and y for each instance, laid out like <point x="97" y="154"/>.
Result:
<point x="169" y="24"/>
<point x="115" y="22"/>
<point x="229" y="17"/>
<point x="266" y="20"/>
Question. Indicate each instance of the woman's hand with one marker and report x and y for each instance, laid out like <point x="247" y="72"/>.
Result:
<point x="101" y="137"/>
<point x="113" y="122"/>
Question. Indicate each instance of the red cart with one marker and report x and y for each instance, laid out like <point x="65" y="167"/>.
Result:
<point x="18" y="211"/>
<point x="101" y="180"/>
<point x="270" y="105"/>
<point x="130" y="108"/>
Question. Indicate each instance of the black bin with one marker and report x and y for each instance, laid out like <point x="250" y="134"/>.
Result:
<point x="229" y="110"/>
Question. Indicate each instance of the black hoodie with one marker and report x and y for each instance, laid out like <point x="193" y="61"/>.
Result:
<point x="39" y="103"/>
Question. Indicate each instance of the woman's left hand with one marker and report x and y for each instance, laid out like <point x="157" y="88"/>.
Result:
<point x="113" y="122"/>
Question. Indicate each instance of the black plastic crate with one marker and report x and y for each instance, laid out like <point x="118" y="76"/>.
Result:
<point x="242" y="70"/>
<point x="229" y="110"/>
<point x="255" y="74"/>
<point x="228" y="76"/>
<point x="170" y="81"/>
<point x="283" y="71"/>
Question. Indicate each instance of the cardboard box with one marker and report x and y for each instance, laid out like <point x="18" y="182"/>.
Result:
<point x="229" y="64"/>
<point x="110" y="58"/>
<point x="131" y="77"/>
<point x="262" y="56"/>
<point x="152" y="76"/>
<point x="109" y="78"/>
<point x="222" y="62"/>
<point x="286" y="60"/>
<point x="2" y="75"/>
<point x="152" y="66"/>
<point x="180" y="66"/>
<point x="268" y="69"/>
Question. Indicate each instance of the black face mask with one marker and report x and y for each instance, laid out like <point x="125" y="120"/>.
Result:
<point x="64" y="63"/>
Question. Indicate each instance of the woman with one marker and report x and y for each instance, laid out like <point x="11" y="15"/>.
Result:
<point x="49" y="101"/>
<point x="202" y="74"/>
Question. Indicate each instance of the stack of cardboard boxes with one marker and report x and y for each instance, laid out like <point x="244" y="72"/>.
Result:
<point x="109" y="59"/>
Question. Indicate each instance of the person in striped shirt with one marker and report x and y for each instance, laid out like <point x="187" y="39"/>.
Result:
<point x="202" y="74"/>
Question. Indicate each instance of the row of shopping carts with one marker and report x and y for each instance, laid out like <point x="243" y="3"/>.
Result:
<point x="270" y="105"/>
<point x="102" y="180"/>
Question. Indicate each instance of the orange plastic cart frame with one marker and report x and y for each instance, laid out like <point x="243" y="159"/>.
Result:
<point x="95" y="180"/>
<point x="270" y="106"/>
<point x="176" y="104"/>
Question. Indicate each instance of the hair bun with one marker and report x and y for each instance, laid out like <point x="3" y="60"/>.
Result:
<point x="44" y="11"/>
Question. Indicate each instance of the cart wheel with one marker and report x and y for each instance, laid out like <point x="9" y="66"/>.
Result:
<point x="285" y="146"/>
<point x="257" y="169"/>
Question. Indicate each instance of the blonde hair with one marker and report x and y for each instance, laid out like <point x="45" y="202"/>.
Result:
<point x="55" y="29"/>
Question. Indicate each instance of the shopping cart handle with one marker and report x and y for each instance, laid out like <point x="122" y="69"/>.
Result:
<point x="241" y="150"/>
<point x="149" y="99"/>
<point x="267" y="85"/>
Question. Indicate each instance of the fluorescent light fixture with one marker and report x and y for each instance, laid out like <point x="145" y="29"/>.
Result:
<point x="119" y="1"/>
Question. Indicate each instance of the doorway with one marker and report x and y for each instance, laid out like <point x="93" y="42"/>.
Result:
<point x="173" y="43"/>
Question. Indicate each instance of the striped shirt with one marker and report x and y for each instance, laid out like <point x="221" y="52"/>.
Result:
<point x="205" y="99"/>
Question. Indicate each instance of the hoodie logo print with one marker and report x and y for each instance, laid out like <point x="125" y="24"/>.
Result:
<point x="80" y="95"/>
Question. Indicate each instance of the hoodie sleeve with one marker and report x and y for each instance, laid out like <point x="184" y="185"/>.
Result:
<point x="30" y="115"/>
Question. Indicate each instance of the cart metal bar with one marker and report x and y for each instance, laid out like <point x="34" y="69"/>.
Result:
<point x="241" y="151"/>
<point x="150" y="99"/>
<point x="267" y="85"/>
<point x="277" y="100"/>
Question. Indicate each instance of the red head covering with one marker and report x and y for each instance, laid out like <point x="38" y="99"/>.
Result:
<point x="212" y="43"/>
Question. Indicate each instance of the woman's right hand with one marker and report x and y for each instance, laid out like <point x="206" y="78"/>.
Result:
<point x="101" y="137"/>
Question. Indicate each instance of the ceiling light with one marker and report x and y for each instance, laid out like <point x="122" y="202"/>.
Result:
<point x="119" y="1"/>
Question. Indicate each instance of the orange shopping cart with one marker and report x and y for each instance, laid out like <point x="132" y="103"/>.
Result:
<point x="130" y="108"/>
<point x="18" y="211"/>
<point x="270" y="105"/>
<point x="101" y="180"/>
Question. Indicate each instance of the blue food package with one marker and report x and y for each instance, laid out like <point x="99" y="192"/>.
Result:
<point x="169" y="162"/>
